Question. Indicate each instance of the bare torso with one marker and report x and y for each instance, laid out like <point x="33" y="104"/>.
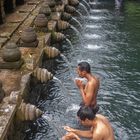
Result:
<point x="92" y="85"/>
<point x="103" y="128"/>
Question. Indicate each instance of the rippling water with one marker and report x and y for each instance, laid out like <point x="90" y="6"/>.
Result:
<point x="111" y="45"/>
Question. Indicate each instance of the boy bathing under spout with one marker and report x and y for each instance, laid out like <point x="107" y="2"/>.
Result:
<point x="90" y="89"/>
<point x="100" y="128"/>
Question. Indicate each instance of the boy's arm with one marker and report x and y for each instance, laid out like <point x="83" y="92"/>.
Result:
<point x="86" y="134"/>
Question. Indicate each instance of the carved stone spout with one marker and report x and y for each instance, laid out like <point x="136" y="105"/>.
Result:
<point x="57" y="36"/>
<point x="28" y="112"/>
<point x="66" y="16"/>
<point x="62" y="25"/>
<point x="51" y="52"/>
<point x="42" y="75"/>
<point x="70" y="9"/>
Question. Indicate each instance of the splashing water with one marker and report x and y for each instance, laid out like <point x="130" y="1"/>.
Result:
<point x="85" y="2"/>
<point x="92" y="36"/>
<point x="69" y="42"/>
<point x="49" y="119"/>
<point x="81" y="16"/>
<point x="62" y="85"/>
<point x="84" y="8"/>
<point x="79" y="24"/>
<point x="69" y="65"/>
<point x="93" y="47"/>
<point x="73" y="107"/>
<point x="93" y="26"/>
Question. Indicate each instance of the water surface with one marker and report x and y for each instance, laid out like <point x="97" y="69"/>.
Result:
<point x="110" y="43"/>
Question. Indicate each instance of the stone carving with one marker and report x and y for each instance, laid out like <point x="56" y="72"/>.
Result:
<point x="29" y="38"/>
<point x="45" y="9"/>
<point x="2" y="93"/>
<point x="57" y="36"/>
<point x="62" y="25"/>
<point x="58" y="8"/>
<point x="73" y="2"/>
<point x="42" y="75"/>
<point x="51" y="3"/>
<point x="41" y="20"/>
<point x="59" y="2"/>
<point x="11" y="52"/>
<point x="51" y="52"/>
<point x="28" y="35"/>
<point x="14" y="97"/>
<point x="70" y="9"/>
<point x="28" y="112"/>
<point x="66" y="16"/>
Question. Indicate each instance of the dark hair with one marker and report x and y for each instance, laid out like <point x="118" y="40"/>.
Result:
<point x="84" y="66"/>
<point x="86" y="112"/>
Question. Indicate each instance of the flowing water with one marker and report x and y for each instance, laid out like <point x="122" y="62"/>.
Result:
<point x="77" y="22"/>
<point x="112" y="47"/>
<point x="83" y="8"/>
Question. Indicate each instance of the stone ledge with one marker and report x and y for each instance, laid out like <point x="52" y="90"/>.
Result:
<point x="7" y="113"/>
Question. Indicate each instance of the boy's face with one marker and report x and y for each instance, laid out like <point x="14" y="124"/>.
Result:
<point x="79" y="72"/>
<point x="84" y="122"/>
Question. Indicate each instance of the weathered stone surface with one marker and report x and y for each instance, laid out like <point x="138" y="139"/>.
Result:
<point x="2" y="41"/>
<point x="10" y="80"/>
<point x="52" y="25"/>
<point x="33" y="44"/>
<point x="32" y="2"/>
<point x="26" y="8"/>
<point x="11" y="65"/>
<point x="6" y="30"/>
<point x="16" y="17"/>
<point x="7" y="113"/>
<point x="47" y="39"/>
<point x="55" y="16"/>
<point x="11" y="52"/>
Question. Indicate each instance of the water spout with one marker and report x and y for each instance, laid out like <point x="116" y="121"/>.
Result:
<point x="69" y="42"/>
<point x="69" y="65"/>
<point x="75" y="20"/>
<point x="87" y="4"/>
<point x="84" y="8"/>
<point x="77" y="32"/>
<point x="61" y="84"/>
<point x="80" y="15"/>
